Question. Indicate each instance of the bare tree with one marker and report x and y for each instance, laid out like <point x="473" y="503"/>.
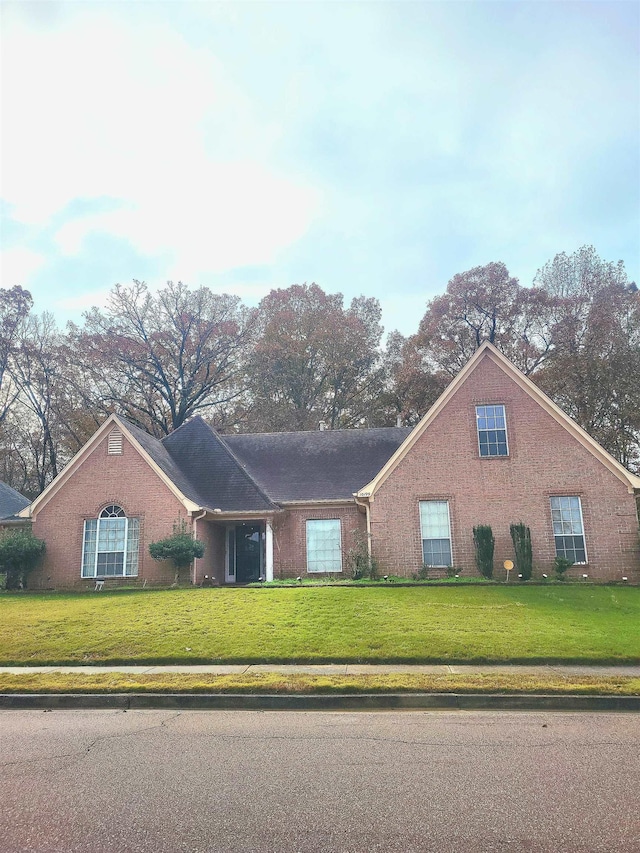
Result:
<point x="161" y="358"/>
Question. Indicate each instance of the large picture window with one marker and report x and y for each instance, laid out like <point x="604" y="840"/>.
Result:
<point x="568" y="529"/>
<point x="324" y="545"/>
<point x="436" y="533"/>
<point x="492" y="431"/>
<point x="110" y="545"/>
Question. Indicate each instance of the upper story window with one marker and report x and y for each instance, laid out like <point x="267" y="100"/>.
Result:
<point x="492" y="431"/>
<point x="110" y="544"/>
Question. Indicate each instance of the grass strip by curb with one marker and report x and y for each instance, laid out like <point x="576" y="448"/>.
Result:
<point x="302" y="684"/>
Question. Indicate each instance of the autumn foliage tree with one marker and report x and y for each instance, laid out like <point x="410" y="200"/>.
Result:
<point x="15" y="305"/>
<point x="576" y="331"/>
<point x="315" y="361"/>
<point x="485" y="304"/>
<point x="594" y="369"/>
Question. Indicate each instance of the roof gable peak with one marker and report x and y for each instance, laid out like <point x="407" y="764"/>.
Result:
<point x="489" y="350"/>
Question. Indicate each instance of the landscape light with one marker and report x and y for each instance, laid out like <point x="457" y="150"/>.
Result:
<point x="584" y="577"/>
<point x="625" y="579"/>
<point x="545" y="576"/>
<point x="386" y="577"/>
<point x="299" y="579"/>
<point x="520" y="576"/>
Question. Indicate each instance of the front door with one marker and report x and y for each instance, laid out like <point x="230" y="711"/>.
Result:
<point x="248" y="552"/>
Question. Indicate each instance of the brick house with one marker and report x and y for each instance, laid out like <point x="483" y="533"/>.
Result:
<point x="493" y="450"/>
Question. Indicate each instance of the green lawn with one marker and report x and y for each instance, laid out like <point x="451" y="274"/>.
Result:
<point x="587" y="624"/>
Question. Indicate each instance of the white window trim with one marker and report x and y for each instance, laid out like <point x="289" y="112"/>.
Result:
<point x="125" y="553"/>
<point x="584" y="536"/>
<point x="84" y="542"/>
<point x="306" y="544"/>
<point x="506" y="431"/>
<point x="229" y="575"/>
<point x="441" y="501"/>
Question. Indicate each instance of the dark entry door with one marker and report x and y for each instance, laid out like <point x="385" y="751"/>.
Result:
<point x="248" y="552"/>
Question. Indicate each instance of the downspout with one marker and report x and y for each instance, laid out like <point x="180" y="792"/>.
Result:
<point x="196" y="519"/>
<point x="367" y="512"/>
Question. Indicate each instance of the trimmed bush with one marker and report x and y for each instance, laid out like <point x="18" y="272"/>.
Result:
<point x="521" y="538"/>
<point x="359" y="563"/>
<point x="561" y="564"/>
<point x="484" y="542"/>
<point x="20" y="552"/>
<point x="180" y="548"/>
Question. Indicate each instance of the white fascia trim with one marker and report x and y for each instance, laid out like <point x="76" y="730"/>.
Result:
<point x="72" y="465"/>
<point x="239" y="516"/>
<point x="188" y="504"/>
<point x="561" y="417"/>
<point x="333" y="502"/>
<point x="630" y="480"/>
<point x="371" y="487"/>
<point x="86" y="451"/>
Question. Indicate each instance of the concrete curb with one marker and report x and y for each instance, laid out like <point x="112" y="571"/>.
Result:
<point x="336" y="702"/>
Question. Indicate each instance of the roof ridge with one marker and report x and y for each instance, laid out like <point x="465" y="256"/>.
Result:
<point x="239" y="463"/>
<point x="350" y="430"/>
<point x="182" y="426"/>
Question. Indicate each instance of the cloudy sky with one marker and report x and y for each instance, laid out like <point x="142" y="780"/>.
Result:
<point x="374" y="148"/>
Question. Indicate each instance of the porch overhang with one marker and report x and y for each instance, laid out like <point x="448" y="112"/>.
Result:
<point x="204" y="513"/>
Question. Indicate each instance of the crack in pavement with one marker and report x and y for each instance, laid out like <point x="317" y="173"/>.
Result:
<point x="84" y="752"/>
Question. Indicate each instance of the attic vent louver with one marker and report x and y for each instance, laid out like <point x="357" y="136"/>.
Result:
<point x="114" y="444"/>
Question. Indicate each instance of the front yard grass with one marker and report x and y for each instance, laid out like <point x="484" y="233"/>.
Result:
<point x="498" y="624"/>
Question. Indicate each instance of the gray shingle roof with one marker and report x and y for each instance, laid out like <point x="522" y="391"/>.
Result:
<point x="208" y="463"/>
<point x="163" y="459"/>
<point x="318" y="465"/>
<point x="11" y="501"/>
<point x="253" y="473"/>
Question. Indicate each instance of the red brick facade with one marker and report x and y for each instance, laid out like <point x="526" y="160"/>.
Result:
<point x="126" y="480"/>
<point x="544" y="460"/>
<point x="290" y="536"/>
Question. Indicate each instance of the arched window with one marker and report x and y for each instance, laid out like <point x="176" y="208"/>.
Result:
<point x="110" y="545"/>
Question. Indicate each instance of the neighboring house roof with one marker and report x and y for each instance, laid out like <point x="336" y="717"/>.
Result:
<point x="487" y="350"/>
<point x="316" y="465"/>
<point x="11" y="502"/>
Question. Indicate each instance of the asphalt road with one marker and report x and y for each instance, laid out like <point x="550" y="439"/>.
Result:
<point x="225" y="782"/>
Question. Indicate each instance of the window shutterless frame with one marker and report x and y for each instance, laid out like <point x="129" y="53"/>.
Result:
<point x="568" y="516"/>
<point x="491" y="430"/>
<point x="323" y="545"/>
<point x="130" y="537"/>
<point x="435" y="533"/>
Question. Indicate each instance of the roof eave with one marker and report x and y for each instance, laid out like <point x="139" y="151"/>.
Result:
<point x="319" y="502"/>
<point x="87" y="449"/>
<point x="561" y="417"/>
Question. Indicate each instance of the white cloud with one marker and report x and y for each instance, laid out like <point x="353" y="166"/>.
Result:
<point x="17" y="265"/>
<point x="140" y="117"/>
<point x="82" y="301"/>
